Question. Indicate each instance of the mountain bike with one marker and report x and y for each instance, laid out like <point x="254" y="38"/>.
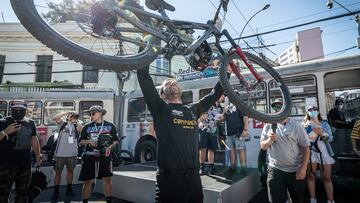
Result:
<point x="133" y="38"/>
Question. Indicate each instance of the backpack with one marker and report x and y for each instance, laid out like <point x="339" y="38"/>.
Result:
<point x="38" y="183"/>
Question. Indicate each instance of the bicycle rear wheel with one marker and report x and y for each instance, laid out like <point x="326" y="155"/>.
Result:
<point x="252" y="101"/>
<point x="115" y="49"/>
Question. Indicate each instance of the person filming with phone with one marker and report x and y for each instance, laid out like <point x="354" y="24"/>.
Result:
<point x="17" y="138"/>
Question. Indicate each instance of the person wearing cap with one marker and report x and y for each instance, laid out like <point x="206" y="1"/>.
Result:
<point x="342" y="128"/>
<point x="17" y="138"/>
<point x="288" y="154"/>
<point x="320" y="135"/>
<point x="237" y="126"/>
<point x="176" y="126"/>
<point x="99" y="137"/>
<point x="66" y="149"/>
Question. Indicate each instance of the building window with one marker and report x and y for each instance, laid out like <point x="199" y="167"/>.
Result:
<point x="2" y="66"/>
<point x="84" y="106"/>
<point x="90" y="75"/>
<point x="44" y="68"/>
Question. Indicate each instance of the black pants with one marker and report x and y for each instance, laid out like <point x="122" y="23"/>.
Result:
<point x="342" y="141"/>
<point x="279" y="182"/>
<point x="21" y="174"/>
<point x="178" y="186"/>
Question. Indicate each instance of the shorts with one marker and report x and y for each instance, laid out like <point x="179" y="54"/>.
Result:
<point x="99" y="167"/>
<point x="324" y="155"/>
<point x="60" y="162"/>
<point x="234" y="142"/>
<point x="209" y="140"/>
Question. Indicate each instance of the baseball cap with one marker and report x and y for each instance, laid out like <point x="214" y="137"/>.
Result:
<point x="277" y="102"/>
<point x="312" y="107"/>
<point x="21" y="104"/>
<point x="97" y="108"/>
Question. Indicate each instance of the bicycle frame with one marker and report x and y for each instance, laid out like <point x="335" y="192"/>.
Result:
<point x="173" y="26"/>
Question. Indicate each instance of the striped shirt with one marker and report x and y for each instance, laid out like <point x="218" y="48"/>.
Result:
<point x="355" y="133"/>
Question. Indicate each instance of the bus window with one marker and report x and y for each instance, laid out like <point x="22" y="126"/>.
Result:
<point x="34" y="111"/>
<point x="3" y="106"/>
<point x="54" y="107"/>
<point x="303" y="93"/>
<point x="84" y="106"/>
<point x="187" y="97"/>
<point x="255" y="99"/>
<point x="204" y="92"/>
<point x="136" y="110"/>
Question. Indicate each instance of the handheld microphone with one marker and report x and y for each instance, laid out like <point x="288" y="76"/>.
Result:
<point x="273" y="128"/>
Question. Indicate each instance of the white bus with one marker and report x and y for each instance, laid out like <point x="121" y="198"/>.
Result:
<point x="45" y="103"/>
<point x="316" y="82"/>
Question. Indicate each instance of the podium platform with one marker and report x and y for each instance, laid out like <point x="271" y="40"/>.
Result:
<point x="136" y="183"/>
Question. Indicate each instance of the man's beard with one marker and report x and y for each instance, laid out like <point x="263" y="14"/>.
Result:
<point x="172" y="95"/>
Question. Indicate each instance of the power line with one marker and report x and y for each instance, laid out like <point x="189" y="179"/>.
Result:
<point x="295" y="26"/>
<point x="341" y="51"/>
<point x="299" y="18"/>
<point x="292" y="34"/>
<point x="71" y="71"/>
<point x="242" y="15"/>
<point x="233" y="27"/>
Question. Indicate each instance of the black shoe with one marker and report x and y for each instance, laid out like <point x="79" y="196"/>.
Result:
<point x="202" y="172"/>
<point x="55" y="196"/>
<point x="69" y="192"/>
<point x="243" y="172"/>
<point x="213" y="171"/>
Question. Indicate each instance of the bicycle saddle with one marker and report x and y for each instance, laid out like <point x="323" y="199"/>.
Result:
<point x="157" y="4"/>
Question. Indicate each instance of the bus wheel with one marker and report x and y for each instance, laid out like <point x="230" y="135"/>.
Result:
<point x="146" y="152"/>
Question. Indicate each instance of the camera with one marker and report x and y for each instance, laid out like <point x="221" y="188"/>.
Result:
<point x="329" y="4"/>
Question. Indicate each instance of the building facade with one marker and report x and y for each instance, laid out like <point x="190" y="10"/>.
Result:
<point x="307" y="46"/>
<point x="23" y="59"/>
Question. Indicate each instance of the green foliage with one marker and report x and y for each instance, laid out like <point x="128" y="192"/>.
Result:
<point x="67" y="10"/>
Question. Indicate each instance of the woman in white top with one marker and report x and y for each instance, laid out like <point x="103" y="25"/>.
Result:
<point x="320" y="135"/>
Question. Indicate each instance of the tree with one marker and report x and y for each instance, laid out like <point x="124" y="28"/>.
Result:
<point x="67" y="10"/>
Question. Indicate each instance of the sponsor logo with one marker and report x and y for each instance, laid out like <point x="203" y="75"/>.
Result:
<point x="188" y="124"/>
<point x="177" y="113"/>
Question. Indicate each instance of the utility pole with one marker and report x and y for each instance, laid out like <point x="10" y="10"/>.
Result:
<point x="357" y="20"/>
<point x="2" y="15"/>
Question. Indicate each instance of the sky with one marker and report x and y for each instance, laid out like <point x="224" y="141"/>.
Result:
<point x="337" y="35"/>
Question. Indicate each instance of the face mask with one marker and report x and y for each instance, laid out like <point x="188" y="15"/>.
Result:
<point x="341" y="106"/>
<point x="313" y="114"/>
<point x="18" y="114"/>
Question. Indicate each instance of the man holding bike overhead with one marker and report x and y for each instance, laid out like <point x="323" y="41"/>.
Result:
<point x="176" y="127"/>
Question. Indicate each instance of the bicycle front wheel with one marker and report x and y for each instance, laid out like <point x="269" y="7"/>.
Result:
<point x="248" y="95"/>
<point x="102" y="41"/>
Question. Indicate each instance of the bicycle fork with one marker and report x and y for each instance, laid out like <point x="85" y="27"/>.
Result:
<point x="241" y="54"/>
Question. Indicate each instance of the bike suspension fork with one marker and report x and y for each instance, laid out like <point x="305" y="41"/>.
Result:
<point x="242" y="56"/>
